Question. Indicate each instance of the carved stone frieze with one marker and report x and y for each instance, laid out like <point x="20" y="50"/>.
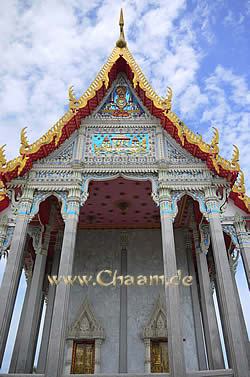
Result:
<point x="157" y="325"/>
<point x="86" y="325"/>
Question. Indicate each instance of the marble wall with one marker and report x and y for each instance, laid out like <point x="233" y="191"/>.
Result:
<point x="98" y="250"/>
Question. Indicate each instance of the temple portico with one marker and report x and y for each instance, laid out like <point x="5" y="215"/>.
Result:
<point x="120" y="187"/>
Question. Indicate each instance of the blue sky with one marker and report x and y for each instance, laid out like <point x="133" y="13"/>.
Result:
<point x="200" y="48"/>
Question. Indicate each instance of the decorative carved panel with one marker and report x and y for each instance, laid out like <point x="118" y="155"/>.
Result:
<point x="121" y="102"/>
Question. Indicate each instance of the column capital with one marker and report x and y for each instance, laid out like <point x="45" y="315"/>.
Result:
<point x="239" y="223"/>
<point x="166" y="203"/>
<point x="242" y="235"/>
<point x="212" y="202"/>
<point x="73" y="202"/>
<point x="26" y="201"/>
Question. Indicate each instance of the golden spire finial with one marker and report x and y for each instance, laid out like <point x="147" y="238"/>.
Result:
<point x="121" y="43"/>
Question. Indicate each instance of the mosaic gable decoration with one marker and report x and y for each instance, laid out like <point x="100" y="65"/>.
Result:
<point x="121" y="103"/>
<point x="120" y="143"/>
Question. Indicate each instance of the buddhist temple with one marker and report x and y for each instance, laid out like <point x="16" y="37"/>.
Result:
<point x="127" y="225"/>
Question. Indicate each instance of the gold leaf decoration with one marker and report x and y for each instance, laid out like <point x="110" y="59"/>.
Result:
<point x="3" y="191"/>
<point x="215" y="141"/>
<point x="167" y="102"/>
<point x="73" y="102"/>
<point x="3" y="160"/>
<point x="239" y="186"/>
<point x="235" y="157"/>
<point x="24" y="141"/>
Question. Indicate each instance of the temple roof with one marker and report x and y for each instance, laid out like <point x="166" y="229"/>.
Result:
<point x="121" y="60"/>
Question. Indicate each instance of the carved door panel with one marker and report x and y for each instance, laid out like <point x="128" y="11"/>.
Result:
<point x="159" y="356"/>
<point x="83" y="360"/>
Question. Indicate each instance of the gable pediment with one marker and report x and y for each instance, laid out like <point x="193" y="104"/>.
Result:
<point x="62" y="155"/>
<point x="121" y="102"/>
<point x="86" y="325"/>
<point x="157" y="325"/>
<point x="175" y="153"/>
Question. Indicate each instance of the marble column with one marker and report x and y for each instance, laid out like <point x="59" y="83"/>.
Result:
<point x="18" y="340"/>
<point x="200" y="344"/>
<point x="49" y="310"/>
<point x="33" y="312"/>
<point x="56" y="345"/>
<point x="13" y="268"/>
<point x="175" y="340"/>
<point x="244" y="243"/>
<point x="233" y="267"/>
<point x="123" y="342"/>
<point x="211" y="330"/>
<point x="234" y="340"/>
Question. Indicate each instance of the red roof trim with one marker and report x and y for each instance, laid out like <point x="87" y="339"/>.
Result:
<point x="122" y="66"/>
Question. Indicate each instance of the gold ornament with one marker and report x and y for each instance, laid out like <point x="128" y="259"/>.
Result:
<point x="2" y="156"/>
<point x="73" y="102"/>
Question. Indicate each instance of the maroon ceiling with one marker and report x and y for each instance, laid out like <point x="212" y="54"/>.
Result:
<point x="119" y="203"/>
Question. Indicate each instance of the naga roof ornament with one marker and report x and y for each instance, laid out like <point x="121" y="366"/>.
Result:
<point x="122" y="59"/>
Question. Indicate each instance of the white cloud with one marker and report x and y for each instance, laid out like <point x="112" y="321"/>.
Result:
<point x="228" y="109"/>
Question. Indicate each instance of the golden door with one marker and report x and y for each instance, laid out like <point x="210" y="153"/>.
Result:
<point x="159" y="356"/>
<point x="83" y="358"/>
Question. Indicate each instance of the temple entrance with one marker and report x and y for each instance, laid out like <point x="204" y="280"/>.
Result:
<point x="83" y="360"/>
<point x="159" y="356"/>
<point x="119" y="230"/>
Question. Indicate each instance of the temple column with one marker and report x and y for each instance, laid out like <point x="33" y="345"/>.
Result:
<point x="244" y="243"/>
<point x="211" y="330"/>
<point x="233" y="267"/>
<point x="49" y="310"/>
<point x="123" y="342"/>
<point x="33" y="312"/>
<point x="200" y="345"/>
<point x="13" y="268"/>
<point x="56" y="346"/>
<point x="172" y="292"/>
<point x="18" y="340"/>
<point x="230" y="320"/>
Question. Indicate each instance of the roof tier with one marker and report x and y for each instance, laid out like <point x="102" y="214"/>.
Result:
<point x="121" y="60"/>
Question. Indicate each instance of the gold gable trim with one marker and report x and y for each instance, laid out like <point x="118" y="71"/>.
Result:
<point x="164" y="104"/>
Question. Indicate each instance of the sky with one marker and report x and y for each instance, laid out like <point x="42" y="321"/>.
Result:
<point x="199" y="48"/>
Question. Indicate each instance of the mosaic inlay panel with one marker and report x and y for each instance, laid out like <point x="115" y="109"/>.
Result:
<point x="120" y="143"/>
<point x="121" y="102"/>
